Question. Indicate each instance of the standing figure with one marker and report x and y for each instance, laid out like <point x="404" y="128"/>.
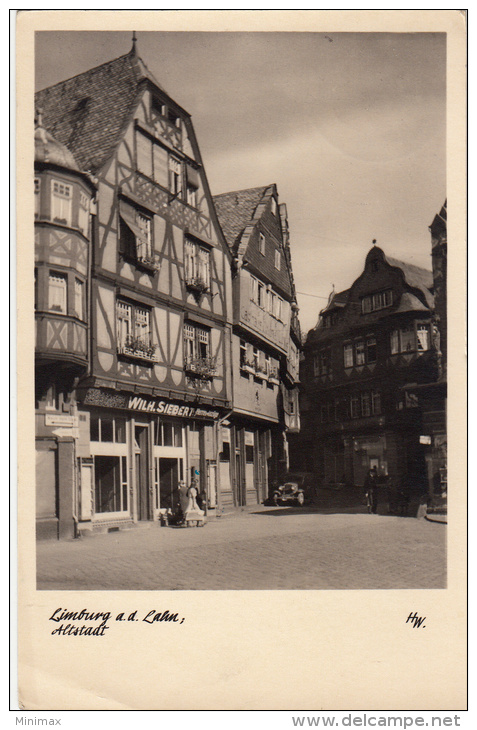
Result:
<point x="371" y="485"/>
<point x="193" y="513"/>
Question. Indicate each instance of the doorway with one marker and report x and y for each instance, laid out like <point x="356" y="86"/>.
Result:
<point x="170" y="473"/>
<point x="141" y="434"/>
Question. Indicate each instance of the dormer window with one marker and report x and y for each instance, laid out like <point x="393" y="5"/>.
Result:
<point x="374" y="302"/>
<point x="261" y="244"/>
<point x="274" y="207"/>
<point x="61" y="202"/>
<point x="278" y="259"/>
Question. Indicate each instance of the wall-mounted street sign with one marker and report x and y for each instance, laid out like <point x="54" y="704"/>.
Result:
<point x="53" y="419"/>
<point x="425" y="440"/>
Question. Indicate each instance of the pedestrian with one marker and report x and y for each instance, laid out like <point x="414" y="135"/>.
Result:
<point x="371" y="485"/>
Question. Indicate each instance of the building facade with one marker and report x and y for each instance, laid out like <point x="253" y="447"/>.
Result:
<point x="133" y="307"/>
<point x="265" y="345"/>
<point x="372" y="345"/>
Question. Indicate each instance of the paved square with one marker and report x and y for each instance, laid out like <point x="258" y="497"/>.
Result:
<point x="270" y="548"/>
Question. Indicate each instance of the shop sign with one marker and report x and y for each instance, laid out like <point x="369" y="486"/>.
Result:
<point x="155" y="406"/>
<point x="64" y="421"/>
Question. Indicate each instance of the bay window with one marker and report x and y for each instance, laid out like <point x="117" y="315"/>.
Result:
<point x="61" y="202"/>
<point x="57" y="293"/>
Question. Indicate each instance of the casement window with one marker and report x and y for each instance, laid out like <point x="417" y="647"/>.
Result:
<point x="278" y="259"/>
<point x="57" y="292"/>
<point x="423" y="337"/>
<point x="243" y="354"/>
<point x="261" y="301"/>
<point x="144" y="240"/>
<point x="371" y="350"/>
<point x="136" y="236"/>
<point x="83" y="214"/>
<point x="196" y="343"/>
<point x="322" y="362"/>
<point x="355" y="411"/>
<point x="37" y="197"/>
<point x="411" y="338"/>
<point x="192" y="186"/>
<point x="79" y="298"/>
<point x="273" y="207"/>
<point x="348" y="355"/>
<point x="277" y="307"/>
<point x="175" y="175"/>
<point x="197" y="265"/>
<point x="376" y="402"/>
<point x="254" y="289"/>
<point x="261" y="244"/>
<point x="61" y="202"/>
<point x="365" y="405"/>
<point x="133" y="330"/>
<point x="255" y="359"/>
<point x="144" y="147"/>
<point x="359" y="354"/>
<point x="374" y="302"/>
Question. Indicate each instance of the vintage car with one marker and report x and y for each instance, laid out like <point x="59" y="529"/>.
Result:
<point x="296" y="489"/>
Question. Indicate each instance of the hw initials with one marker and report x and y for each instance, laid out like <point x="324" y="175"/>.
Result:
<point x="415" y="620"/>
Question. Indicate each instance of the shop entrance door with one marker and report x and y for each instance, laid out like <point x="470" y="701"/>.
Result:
<point x="169" y="483"/>
<point x="142" y="472"/>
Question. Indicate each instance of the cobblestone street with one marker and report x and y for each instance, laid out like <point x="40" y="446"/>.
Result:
<point x="269" y="548"/>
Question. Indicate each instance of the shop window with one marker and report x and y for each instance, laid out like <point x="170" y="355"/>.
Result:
<point x="107" y="430"/>
<point x="111" y="488"/>
<point x="83" y="214"/>
<point x="175" y="175"/>
<point x="261" y="244"/>
<point x="168" y="433"/>
<point x="120" y="430"/>
<point x="57" y="292"/>
<point x="278" y="259"/>
<point x="197" y="266"/>
<point x="37" y="197"/>
<point x="79" y="299"/>
<point x="348" y="355"/>
<point x="61" y="201"/>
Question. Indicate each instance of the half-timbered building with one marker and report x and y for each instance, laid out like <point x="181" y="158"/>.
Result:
<point x="265" y="345"/>
<point x="148" y="348"/>
<point x="372" y="349"/>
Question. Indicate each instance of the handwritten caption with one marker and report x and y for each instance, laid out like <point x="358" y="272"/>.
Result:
<point x="95" y="623"/>
<point x="417" y="622"/>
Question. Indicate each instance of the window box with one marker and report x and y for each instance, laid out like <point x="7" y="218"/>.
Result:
<point x="248" y="367"/>
<point x="261" y="372"/>
<point x="149" y="261"/>
<point x="202" y="367"/>
<point x="138" y="349"/>
<point x="197" y="284"/>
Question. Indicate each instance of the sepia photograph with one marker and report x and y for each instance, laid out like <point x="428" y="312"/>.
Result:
<point x="240" y="310"/>
<point x="236" y="304"/>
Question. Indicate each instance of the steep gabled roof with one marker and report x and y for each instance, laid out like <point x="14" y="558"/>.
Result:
<point x="416" y="277"/>
<point x="235" y="211"/>
<point x="88" y="112"/>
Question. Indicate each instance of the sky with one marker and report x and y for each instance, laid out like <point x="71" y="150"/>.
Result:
<point x="350" y="126"/>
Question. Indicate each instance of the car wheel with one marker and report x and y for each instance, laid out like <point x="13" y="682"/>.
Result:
<point x="301" y="499"/>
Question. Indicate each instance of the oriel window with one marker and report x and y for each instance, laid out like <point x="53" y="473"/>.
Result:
<point x="83" y="214"/>
<point x="79" y="298"/>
